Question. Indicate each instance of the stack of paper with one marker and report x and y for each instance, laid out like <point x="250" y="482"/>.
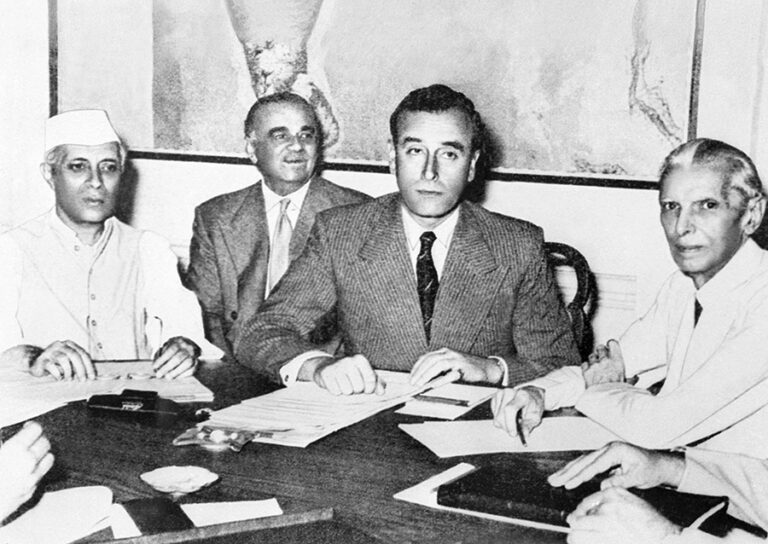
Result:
<point x="303" y="413"/>
<point x="61" y="517"/>
<point x="23" y="396"/>
<point x="452" y="438"/>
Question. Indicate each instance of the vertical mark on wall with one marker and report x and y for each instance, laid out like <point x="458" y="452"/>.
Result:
<point x="53" y="58"/>
<point x="754" y="133"/>
<point x="643" y="96"/>
<point x="698" y="48"/>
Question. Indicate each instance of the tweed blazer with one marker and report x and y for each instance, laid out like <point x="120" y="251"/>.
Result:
<point x="229" y="252"/>
<point x="496" y="297"/>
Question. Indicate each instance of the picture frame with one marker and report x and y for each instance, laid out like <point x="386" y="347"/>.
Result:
<point x="576" y="93"/>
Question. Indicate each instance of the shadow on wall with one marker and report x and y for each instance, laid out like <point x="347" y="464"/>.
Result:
<point x="126" y="197"/>
<point x="761" y="234"/>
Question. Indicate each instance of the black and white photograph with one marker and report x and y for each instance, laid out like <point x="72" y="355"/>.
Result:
<point x="383" y="271"/>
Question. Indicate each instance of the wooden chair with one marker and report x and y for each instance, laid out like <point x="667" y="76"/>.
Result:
<point x="581" y="305"/>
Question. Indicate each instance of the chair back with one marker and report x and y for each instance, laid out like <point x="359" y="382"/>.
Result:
<point x="581" y="305"/>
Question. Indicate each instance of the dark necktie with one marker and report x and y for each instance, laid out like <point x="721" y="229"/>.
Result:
<point x="696" y="312"/>
<point x="426" y="280"/>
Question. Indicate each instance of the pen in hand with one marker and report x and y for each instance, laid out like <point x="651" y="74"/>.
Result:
<point x="519" y="427"/>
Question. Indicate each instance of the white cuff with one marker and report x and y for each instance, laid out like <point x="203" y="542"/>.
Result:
<point x="504" y="369"/>
<point x="289" y="372"/>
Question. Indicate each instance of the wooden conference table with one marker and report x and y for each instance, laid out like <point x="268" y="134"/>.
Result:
<point x="356" y="471"/>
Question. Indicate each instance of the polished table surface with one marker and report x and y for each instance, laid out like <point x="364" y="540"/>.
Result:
<point x="356" y="470"/>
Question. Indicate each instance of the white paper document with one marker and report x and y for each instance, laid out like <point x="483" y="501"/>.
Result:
<point x="425" y="494"/>
<point x="23" y="396"/>
<point x="448" y="401"/>
<point x="61" y="517"/>
<point x="452" y="438"/>
<point x="304" y="412"/>
<point x="201" y="514"/>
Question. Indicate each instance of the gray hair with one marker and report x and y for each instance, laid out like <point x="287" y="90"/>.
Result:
<point x="55" y="156"/>
<point x="737" y="171"/>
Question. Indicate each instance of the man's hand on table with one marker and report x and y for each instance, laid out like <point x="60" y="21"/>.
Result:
<point x="346" y="376"/>
<point x="176" y="359"/>
<point x="630" y="466"/>
<point x="528" y="400"/>
<point x="64" y="360"/>
<point x="616" y="515"/>
<point x="604" y="365"/>
<point x="452" y="365"/>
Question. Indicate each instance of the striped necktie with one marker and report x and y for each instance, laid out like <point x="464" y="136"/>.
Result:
<point x="426" y="280"/>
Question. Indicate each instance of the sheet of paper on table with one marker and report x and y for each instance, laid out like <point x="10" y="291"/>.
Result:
<point x="23" y="396"/>
<point x="452" y="438"/>
<point x="425" y="494"/>
<point x="303" y="413"/>
<point x="472" y="394"/>
<point x="201" y="514"/>
<point x="61" y="517"/>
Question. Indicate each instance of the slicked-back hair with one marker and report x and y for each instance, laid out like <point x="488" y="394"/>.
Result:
<point x="284" y="97"/>
<point x="436" y="99"/>
<point x="736" y="169"/>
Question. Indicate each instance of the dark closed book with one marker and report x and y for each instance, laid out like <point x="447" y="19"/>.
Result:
<point x="525" y="494"/>
<point x="157" y="515"/>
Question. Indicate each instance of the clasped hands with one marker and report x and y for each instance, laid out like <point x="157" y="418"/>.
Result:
<point x="66" y="360"/>
<point x="354" y="374"/>
<point x="604" y="365"/>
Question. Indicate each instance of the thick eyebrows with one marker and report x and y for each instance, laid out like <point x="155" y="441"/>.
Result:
<point x="285" y="130"/>
<point x="458" y="146"/>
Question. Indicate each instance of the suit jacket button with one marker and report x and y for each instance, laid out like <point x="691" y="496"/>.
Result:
<point x="233" y="315"/>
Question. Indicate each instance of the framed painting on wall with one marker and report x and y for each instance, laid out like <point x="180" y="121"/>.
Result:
<point x="585" y="90"/>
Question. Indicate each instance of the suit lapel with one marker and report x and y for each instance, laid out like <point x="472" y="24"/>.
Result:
<point x="316" y="201"/>
<point x="386" y="267"/>
<point x="247" y="239"/>
<point x="468" y="286"/>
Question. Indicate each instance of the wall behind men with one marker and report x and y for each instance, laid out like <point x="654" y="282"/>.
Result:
<point x="616" y="229"/>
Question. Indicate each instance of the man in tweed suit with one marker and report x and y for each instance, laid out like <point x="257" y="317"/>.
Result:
<point x="230" y="252"/>
<point x="496" y="317"/>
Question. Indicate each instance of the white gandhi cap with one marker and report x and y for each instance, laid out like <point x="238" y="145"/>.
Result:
<point x="79" y="127"/>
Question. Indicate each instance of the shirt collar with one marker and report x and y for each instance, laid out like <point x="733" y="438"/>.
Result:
<point x="739" y="269"/>
<point x="272" y="199"/>
<point x="443" y="232"/>
<point x="69" y="236"/>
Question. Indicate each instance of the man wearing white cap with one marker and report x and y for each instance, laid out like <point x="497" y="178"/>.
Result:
<point x="77" y="284"/>
<point x="705" y="335"/>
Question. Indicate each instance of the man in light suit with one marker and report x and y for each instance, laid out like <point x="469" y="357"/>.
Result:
<point x="705" y="334"/>
<point x="419" y="279"/>
<point x="242" y="241"/>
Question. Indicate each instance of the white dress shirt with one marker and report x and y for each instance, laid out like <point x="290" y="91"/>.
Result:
<point x="272" y="208"/>
<point x="443" y="235"/>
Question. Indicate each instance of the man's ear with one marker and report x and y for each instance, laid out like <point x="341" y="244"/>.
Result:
<point x="753" y="215"/>
<point x="47" y="172"/>
<point x="392" y="157"/>
<point x="473" y="166"/>
<point x="250" y="149"/>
